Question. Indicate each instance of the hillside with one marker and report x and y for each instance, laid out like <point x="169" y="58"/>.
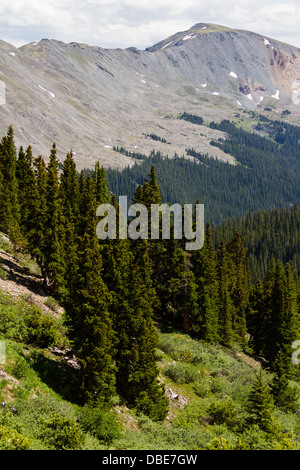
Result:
<point x="207" y="387"/>
<point x="90" y="99"/>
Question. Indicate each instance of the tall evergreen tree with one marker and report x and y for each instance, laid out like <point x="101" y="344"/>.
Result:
<point x="240" y="286"/>
<point x="9" y="210"/>
<point x="53" y="255"/>
<point x="204" y="261"/>
<point x="69" y="197"/>
<point x="285" y="396"/>
<point x="89" y="321"/>
<point x="99" y="176"/>
<point x="225" y="303"/>
<point x="260" y="405"/>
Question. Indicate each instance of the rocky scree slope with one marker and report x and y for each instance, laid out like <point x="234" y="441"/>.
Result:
<point x="90" y="99"/>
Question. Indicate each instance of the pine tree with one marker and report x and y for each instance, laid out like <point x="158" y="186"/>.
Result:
<point x="9" y="210"/>
<point x="37" y="214"/>
<point x="260" y="405"/>
<point x="137" y="352"/>
<point x="282" y="322"/>
<point x="204" y="261"/>
<point x="28" y="193"/>
<point x="99" y="176"/>
<point x="53" y="255"/>
<point x="225" y="303"/>
<point x="285" y="396"/>
<point x="240" y="286"/>
<point x="90" y="325"/>
<point x="69" y="197"/>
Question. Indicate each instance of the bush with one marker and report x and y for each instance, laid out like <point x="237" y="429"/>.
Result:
<point x="100" y="423"/>
<point x="181" y="373"/>
<point x="41" y="328"/>
<point x="224" y="412"/>
<point x="63" y="433"/>
<point x="202" y="388"/>
<point x="12" y="440"/>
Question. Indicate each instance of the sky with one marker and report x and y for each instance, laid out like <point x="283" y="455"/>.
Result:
<point x="141" y="23"/>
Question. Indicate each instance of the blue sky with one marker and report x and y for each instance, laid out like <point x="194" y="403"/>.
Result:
<point x="140" y="23"/>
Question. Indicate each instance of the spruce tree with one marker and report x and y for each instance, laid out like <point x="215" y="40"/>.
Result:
<point x="282" y="322"/>
<point x="285" y="396"/>
<point x="225" y="303"/>
<point x="90" y="326"/>
<point x="240" y="286"/>
<point x="10" y="209"/>
<point x="53" y="255"/>
<point x="204" y="262"/>
<point x="101" y="190"/>
<point x="37" y="215"/>
<point x="69" y="197"/>
<point x="260" y="405"/>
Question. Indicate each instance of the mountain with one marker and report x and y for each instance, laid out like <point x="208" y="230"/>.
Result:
<point x="91" y="99"/>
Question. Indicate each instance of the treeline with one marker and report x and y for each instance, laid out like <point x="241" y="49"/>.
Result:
<point x="266" y="234"/>
<point x="265" y="175"/>
<point x="114" y="290"/>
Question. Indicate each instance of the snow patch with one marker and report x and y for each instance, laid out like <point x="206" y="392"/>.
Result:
<point x="34" y="43"/>
<point x="216" y="93"/>
<point x="232" y="74"/>
<point x="204" y="85"/>
<point x="239" y="103"/>
<point x="167" y="44"/>
<point x="12" y="53"/>
<point x="249" y="96"/>
<point x="260" y="99"/>
<point x="276" y="95"/>
<point x="204" y="27"/>
<point x="189" y="36"/>
<point x="50" y="92"/>
<point x="267" y="42"/>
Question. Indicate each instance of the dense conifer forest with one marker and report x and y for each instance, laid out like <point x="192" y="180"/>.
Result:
<point x="265" y="175"/>
<point x="241" y="290"/>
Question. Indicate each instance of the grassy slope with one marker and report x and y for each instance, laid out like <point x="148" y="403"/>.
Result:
<point x="36" y="383"/>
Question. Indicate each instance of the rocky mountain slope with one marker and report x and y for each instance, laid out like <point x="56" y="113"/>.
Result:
<point x="90" y="99"/>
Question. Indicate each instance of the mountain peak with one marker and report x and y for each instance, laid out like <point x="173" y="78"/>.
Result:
<point x="178" y="39"/>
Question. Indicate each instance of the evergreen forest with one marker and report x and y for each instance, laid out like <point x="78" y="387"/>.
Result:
<point x="122" y="298"/>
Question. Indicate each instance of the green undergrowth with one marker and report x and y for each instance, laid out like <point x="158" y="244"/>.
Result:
<point x="208" y="388"/>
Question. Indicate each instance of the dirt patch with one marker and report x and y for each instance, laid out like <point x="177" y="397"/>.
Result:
<point x="22" y="284"/>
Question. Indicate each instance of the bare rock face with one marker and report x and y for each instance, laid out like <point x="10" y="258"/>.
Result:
<point x="89" y="99"/>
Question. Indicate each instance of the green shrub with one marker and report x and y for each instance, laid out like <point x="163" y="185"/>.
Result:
<point x="202" y="388"/>
<point x="20" y="368"/>
<point x="41" y="328"/>
<point x="3" y="273"/>
<point x="63" y="433"/>
<point x="100" y="423"/>
<point x="12" y="440"/>
<point x="224" y="412"/>
<point x="181" y="373"/>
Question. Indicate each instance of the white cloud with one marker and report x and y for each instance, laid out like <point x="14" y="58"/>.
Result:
<point x="140" y="23"/>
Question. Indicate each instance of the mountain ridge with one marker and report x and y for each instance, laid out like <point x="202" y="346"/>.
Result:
<point x="90" y="99"/>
